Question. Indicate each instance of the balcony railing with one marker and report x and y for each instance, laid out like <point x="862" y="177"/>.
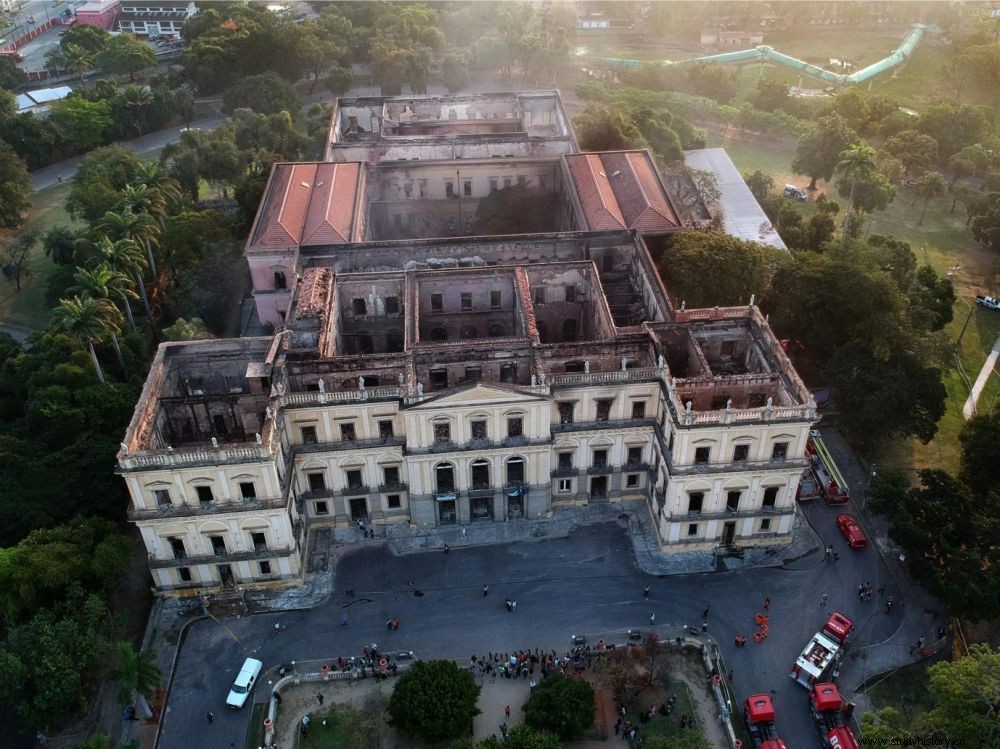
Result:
<point x="484" y="491"/>
<point x="170" y="457"/>
<point x="736" y="466"/>
<point x="207" y="508"/>
<point x="635" y="468"/>
<point x="360" y="444"/>
<point x="564" y="472"/>
<point x="580" y="426"/>
<point x="476" y="444"/>
<point x="222" y="557"/>
<point x="599" y="378"/>
<point x="395" y="486"/>
<point x="732" y="514"/>
<point x="601" y="469"/>
<point x="316" y="398"/>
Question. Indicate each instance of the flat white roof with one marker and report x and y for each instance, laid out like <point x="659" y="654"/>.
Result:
<point x="45" y="95"/>
<point x="742" y="215"/>
<point x="24" y="102"/>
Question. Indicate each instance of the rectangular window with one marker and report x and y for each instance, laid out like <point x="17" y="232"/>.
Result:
<point x="566" y="413"/>
<point x="496" y="299"/>
<point x="538" y="295"/>
<point x="479" y="431"/>
<point x="449" y="188"/>
<point x="770" y="496"/>
<point x="741" y="453"/>
<point x="408" y="189"/>
<point x="565" y="486"/>
<point x="347" y="433"/>
<point x="360" y="306"/>
<point x="515" y="426"/>
<point x="727" y="349"/>
<point x="473" y="374"/>
<point x="393" y="502"/>
<point x="571" y="294"/>
<point x="218" y="544"/>
<point x="177" y="547"/>
<point x="422" y="184"/>
<point x="354" y="480"/>
<point x="693" y="529"/>
<point x="321" y="508"/>
<point x="701" y="455"/>
<point x="565" y="460"/>
<point x="522" y="180"/>
<point x="391" y="475"/>
<point x="765" y="524"/>
<point x="392" y="305"/>
<point x="466" y="300"/>
<point x="162" y="497"/>
<point x="184" y="573"/>
<point x="205" y="494"/>
<point x="733" y="501"/>
<point x="309" y="435"/>
<point x="259" y="541"/>
<point x="695" y="500"/>
<point x="442" y="432"/>
<point x="317" y="482"/>
<point x="385" y="428"/>
<point x="437" y="303"/>
<point x="779" y="451"/>
<point x="439" y="378"/>
<point x="508" y="181"/>
<point x="467" y="188"/>
<point x="639" y="410"/>
<point x="248" y="490"/>
<point x="493" y="185"/>
<point x="603" y="410"/>
<point x="632" y="480"/>
<point x="600" y="458"/>
<point x="634" y="456"/>
<point x="265" y="568"/>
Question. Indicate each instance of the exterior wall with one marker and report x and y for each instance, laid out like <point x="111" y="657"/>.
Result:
<point x="104" y="17"/>
<point x="271" y="301"/>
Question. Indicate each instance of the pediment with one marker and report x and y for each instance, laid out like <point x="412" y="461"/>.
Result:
<point x="478" y="395"/>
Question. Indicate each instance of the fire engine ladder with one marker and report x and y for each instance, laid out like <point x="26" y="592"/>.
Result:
<point x="824" y="455"/>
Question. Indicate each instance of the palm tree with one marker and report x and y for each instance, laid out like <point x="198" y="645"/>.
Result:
<point x="856" y="163"/>
<point x="104" y="282"/>
<point x="929" y="185"/>
<point x="126" y="256"/>
<point x="135" y="100"/>
<point x="84" y="319"/>
<point x="125" y="224"/>
<point x="138" y="674"/>
<point x="140" y="198"/>
<point x="154" y="176"/>
<point x="78" y="59"/>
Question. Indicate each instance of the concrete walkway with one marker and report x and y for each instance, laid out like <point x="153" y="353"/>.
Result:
<point x="969" y="409"/>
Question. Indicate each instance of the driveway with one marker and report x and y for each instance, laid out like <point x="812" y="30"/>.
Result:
<point x="587" y="582"/>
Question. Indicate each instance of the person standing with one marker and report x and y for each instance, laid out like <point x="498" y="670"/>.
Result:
<point x="704" y="614"/>
<point x="486" y="589"/>
<point x="767" y="603"/>
<point x="211" y="717"/>
<point x="506" y="712"/>
<point x="823" y="599"/>
<point x="319" y="697"/>
<point x="645" y="592"/>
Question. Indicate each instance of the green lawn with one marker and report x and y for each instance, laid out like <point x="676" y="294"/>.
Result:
<point x="27" y="307"/>
<point x="943" y="242"/>
<point x="256" y="728"/>
<point x="340" y="732"/>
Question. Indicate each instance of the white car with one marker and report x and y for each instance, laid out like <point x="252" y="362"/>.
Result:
<point x="989" y="302"/>
<point x="244" y="684"/>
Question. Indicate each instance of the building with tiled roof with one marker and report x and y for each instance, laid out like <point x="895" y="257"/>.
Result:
<point x="439" y="361"/>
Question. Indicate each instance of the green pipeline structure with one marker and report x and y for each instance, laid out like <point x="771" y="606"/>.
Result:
<point x="765" y="53"/>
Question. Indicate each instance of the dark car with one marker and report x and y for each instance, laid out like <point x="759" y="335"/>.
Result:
<point x="852" y="532"/>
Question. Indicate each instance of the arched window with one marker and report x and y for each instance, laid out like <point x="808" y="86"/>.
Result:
<point x="280" y="282"/>
<point x="444" y="474"/>
<point x="569" y="329"/>
<point x="497" y="330"/>
<point x="439" y="334"/>
<point x="515" y="471"/>
<point x="469" y="331"/>
<point x="481" y="474"/>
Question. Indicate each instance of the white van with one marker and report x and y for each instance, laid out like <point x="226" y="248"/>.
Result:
<point x="244" y="683"/>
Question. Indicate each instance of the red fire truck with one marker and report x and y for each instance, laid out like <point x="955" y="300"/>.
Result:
<point x="808" y="486"/>
<point x="832" y="484"/>
<point x="822" y="651"/>
<point x="758" y="712"/>
<point x="833" y="722"/>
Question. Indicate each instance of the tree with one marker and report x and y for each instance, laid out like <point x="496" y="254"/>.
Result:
<point x="688" y="738"/>
<point x="17" y="265"/>
<point x="131" y="105"/>
<point x="15" y="188"/>
<point x="138" y="227"/>
<point x="985" y="224"/>
<point x="84" y="319"/>
<point x="60" y="245"/>
<point x="916" y="150"/>
<point x="267" y="93"/>
<point x="404" y="43"/>
<point x="93" y="39"/>
<point x="949" y="535"/>
<point x="932" y="300"/>
<point x="127" y="257"/>
<point x="11" y="76"/>
<point x="885" y="397"/>
<point x="124" y="53"/>
<point x="971" y="161"/>
<point x="965" y="692"/>
<point x="761" y="184"/>
<point x="41" y="568"/>
<point x="955" y="126"/>
<point x="434" y="701"/>
<point x="519" y="737"/>
<point x="138" y="674"/>
<point x="979" y="438"/>
<point x="770" y="95"/>
<point x="562" y="705"/>
<point x="187" y="330"/>
<point x="99" y="179"/>
<point x="46" y="662"/>
<point x="820" y="150"/>
<point x="86" y="123"/>
<point x="886" y="727"/>
<point x="455" y="69"/>
<point x="69" y="56"/>
<point x="929" y="185"/>
<point x="606" y="128"/>
<point x="322" y="51"/>
<point x="103" y="282"/>
<point x="706" y="269"/>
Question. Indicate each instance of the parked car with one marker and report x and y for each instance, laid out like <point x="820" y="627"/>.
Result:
<point x="989" y="302"/>
<point x="795" y="193"/>
<point x="244" y="684"/>
<point x="852" y="532"/>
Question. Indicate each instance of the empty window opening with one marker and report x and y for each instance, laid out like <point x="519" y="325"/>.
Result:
<point x="693" y="529"/>
<point x="259" y="541"/>
<point x="497" y="330"/>
<point x="437" y="303"/>
<point x="391" y="475"/>
<point x="280" y="282"/>
<point x="632" y="480"/>
<point x="571" y="294"/>
<point x="177" y="547"/>
<point x="639" y="410"/>
<point x="392" y="305"/>
<point x="634" y="456"/>
<point x="496" y="299"/>
<point x="317" y="482"/>
<point x="439" y="378"/>
<point x="508" y="373"/>
<point x="575" y="366"/>
<point x="347" y="433"/>
<point x="439" y="334"/>
<point x="765" y="524"/>
<point x="603" y="410"/>
<point x="515" y="426"/>
<point x="515" y="471"/>
<point x="442" y="432"/>
<point x="481" y="475"/>
<point x="565" y="460"/>
<point x="360" y="306"/>
<point x="701" y="455"/>
<point x="569" y="330"/>
<point x="566" y="413"/>
<point x="600" y="458"/>
<point x="205" y="494"/>
<point x="218" y="544"/>
<point x="321" y="508"/>
<point x="162" y="497"/>
<point x="184" y="573"/>
<point x="265" y="568"/>
<point x="779" y="451"/>
<point x="741" y="453"/>
<point x="354" y="480"/>
<point x="733" y="500"/>
<point x="445" y="476"/>
<point x="449" y="188"/>
<point x="478" y="427"/>
<point x="393" y="502"/>
<point x="309" y="435"/>
<point x="695" y="500"/>
<point x="770" y="496"/>
<point x="467" y="188"/>
<point x="466" y="300"/>
<point x="248" y="490"/>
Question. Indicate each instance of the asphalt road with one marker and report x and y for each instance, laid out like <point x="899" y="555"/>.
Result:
<point x="587" y="582"/>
